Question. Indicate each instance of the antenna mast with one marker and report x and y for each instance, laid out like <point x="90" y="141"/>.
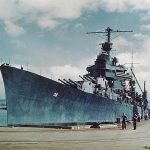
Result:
<point x="107" y="45"/>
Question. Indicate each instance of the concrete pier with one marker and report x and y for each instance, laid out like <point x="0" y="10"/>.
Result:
<point x="110" y="138"/>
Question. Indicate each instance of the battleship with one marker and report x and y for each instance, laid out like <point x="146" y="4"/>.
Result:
<point x="103" y="94"/>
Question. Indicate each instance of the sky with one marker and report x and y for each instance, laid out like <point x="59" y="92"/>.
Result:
<point x="49" y="36"/>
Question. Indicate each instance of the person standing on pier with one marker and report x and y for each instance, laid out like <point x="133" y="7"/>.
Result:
<point x="134" y="121"/>
<point x="124" y="119"/>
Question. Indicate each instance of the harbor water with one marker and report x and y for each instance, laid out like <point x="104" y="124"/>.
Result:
<point x="3" y="114"/>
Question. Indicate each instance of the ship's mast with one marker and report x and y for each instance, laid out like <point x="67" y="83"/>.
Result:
<point x="107" y="45"/>
<point x="109" y="31"/>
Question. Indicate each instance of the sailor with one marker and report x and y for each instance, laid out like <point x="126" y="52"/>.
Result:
<point x="134" y="121"/>
<point x="124" y="119"/>
<point x="139" y="117"/>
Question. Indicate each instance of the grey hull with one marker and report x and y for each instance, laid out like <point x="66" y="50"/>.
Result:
<point x="33" y="99"/>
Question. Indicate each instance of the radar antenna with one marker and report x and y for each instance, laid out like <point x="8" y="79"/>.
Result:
<point x="107" y="45"/>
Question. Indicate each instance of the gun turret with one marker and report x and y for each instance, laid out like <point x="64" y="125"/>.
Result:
<point x="89" y="77"/>
<point x="86" y="78"/>
<point x="82" y="78"/>
<point x="71" y="84"/>
<point x="75" y="83"/>
<point x="63" y="82"/>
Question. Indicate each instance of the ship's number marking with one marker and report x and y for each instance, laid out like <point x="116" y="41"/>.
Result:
<point x="55" y="94"/>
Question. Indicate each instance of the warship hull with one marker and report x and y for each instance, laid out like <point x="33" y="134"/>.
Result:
<point x="35" y="100"/>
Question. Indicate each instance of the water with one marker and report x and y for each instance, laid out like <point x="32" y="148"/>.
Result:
<point x="2" y="102"/>
<point x="3" y="114"/>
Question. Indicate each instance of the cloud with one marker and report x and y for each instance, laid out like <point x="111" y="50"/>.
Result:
<point x="44" y="22"/>
<point x="13" y="29"/>
<point x="9" y="10"/>
<point x="126" y="5"/>
<point x="66" y="71"/>
<point x="44" y="13"/>
<point x="49" y="13"/>
<point x="141" y="52"/>
<point x="115" y="5"/>
<point x="78" y="27"/>
<point x="145" y="26"/>
<point x="121" y="44"/>
<point x="140" y="36"/>
<point x="61" y="71"/>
